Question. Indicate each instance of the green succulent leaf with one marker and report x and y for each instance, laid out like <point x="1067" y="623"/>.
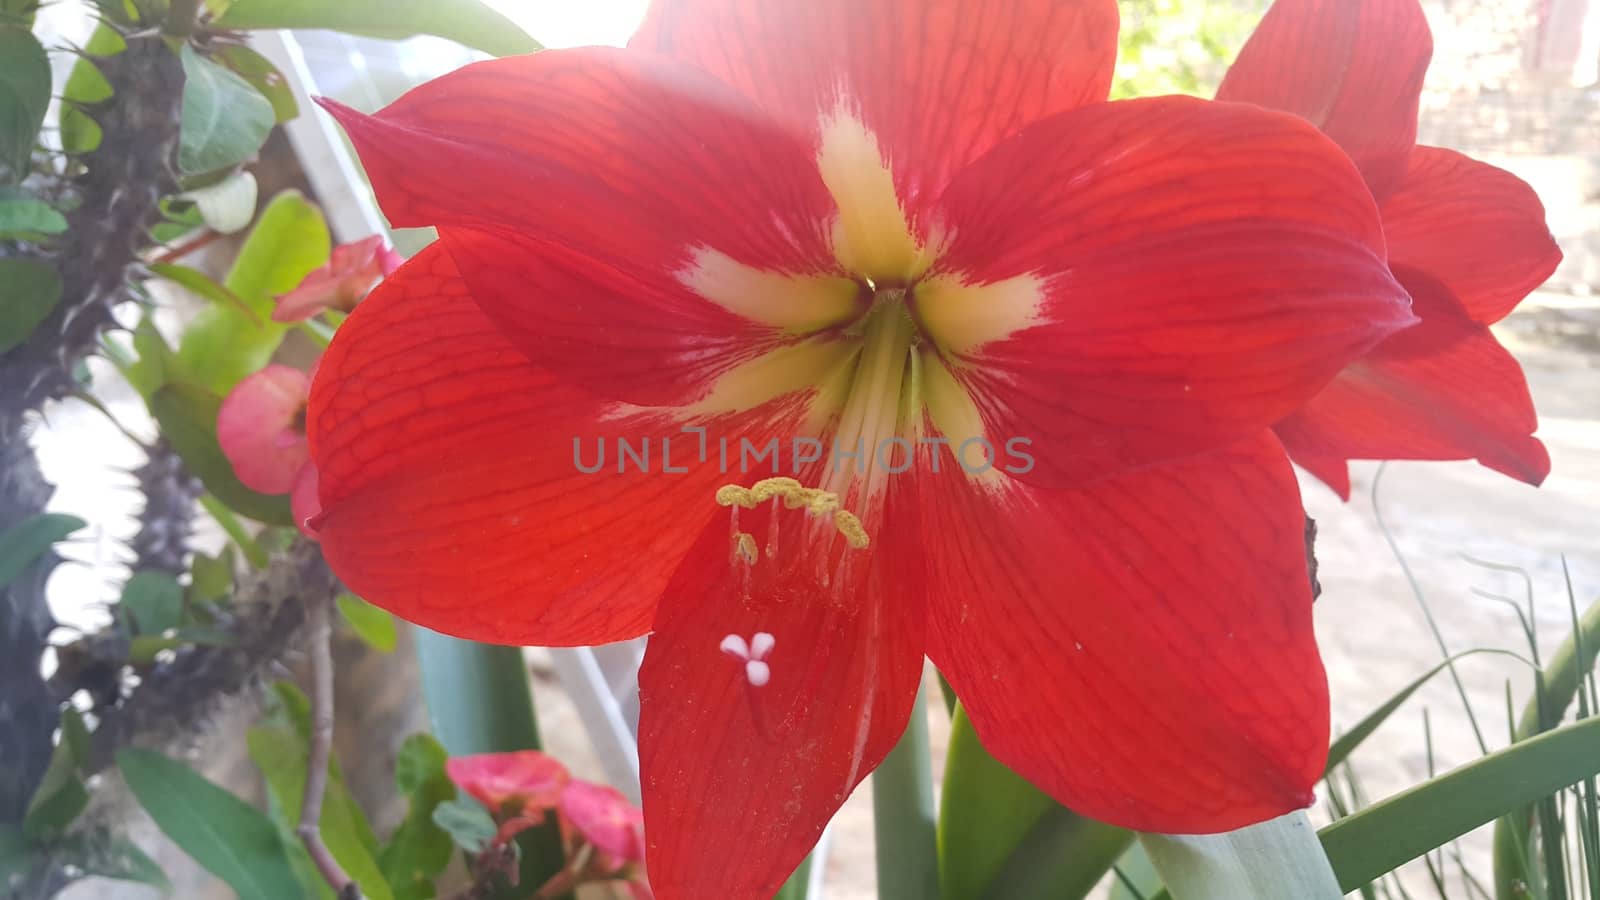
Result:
<point x="24" y="218"/>
<point x="467" y="22"/>
<point x="29" y="539"/>
<point x="61" y="794"/>
<point x="224" y="344"/>
<point x="24" y="98"/>
<point x="373" y="625"/>
<point x="224" y="121"/>
<point x="467" y="823"/>
<point x="226" y="835"/>
<point x="227" y="206"/>
<point x="152" y="603"/>
<point x="29" y="290"/>
<point x="263" y="76"/>
<point x="419" y="849"/>
<point x="86" y="86"/>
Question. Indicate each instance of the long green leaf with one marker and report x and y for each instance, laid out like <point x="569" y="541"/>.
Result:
<point x="1389" y="834"/>
<point x="1350" y="740"/>
<point x="225" y="120"/>
<point x="1557" y="687"/>
<point x="467" y="22"/>
<point x="29" y="290"/>
<point x="226" y="835"/>
<point x="24" y="98"/>
<point x="1277" y="858"/>
<point x="223" y="345"/>
<point x="986" y="810"/>
<point x="1062" y="857"/>
<point x="28" y="540"/>
<point x="903" y="817"/>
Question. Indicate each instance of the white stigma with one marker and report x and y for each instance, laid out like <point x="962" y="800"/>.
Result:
<point x="753" y="654"/>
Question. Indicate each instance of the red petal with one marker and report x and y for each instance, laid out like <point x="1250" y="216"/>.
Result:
<point x="1445" y="389"/>
<point x="609" y="178"/>
<point x="1477" y="229"/>
<point x="1199" y="270"/>
<point x="304" y="503"/>
<point x="1354" y="68"/>
<point x="938" y="82"/>
<point x="258" y="429"/>
<point x="1140" y="649"/>
<point x="451" y="490"/>
<point x="740" y="780"/>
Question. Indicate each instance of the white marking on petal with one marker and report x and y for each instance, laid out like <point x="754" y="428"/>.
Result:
<point x="761" y="644"/>
<point x="871" y="237"/>
<point x="757" y="672"/>
<point x="734" y="645"/>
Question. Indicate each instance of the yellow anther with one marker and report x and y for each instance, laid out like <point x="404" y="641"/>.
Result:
<point x="745" y="545"/>
<point x="794" y="496"/>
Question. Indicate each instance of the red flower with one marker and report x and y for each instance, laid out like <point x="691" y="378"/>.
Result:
<point x="262" y="429"/>
<point x="607" y="821"/>
<point x="522" y="784"/>
<point x="1466" y="239"/>
<point x="881" y="224"/>
<point x="352" y="271"/>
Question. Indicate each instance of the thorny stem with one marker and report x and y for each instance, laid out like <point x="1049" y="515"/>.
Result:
<point x="320" y="635"/>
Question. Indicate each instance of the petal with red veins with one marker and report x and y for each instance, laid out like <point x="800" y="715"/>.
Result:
<point x="1142" y="280"/>
<point x="1140" y="649"/>
<point x="1477" y="229"/>
<point x="453" y="485"/>
<point x="937" y="82"/>
<point x="259" y="429"/>
<point x="1444" y="389"/>
<point x="742" y="770"/>
<point x="1354" y="68"/>
<point x="644" y="197"/>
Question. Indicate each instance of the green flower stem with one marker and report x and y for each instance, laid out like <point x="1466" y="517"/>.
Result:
<point x="903" y="815"/>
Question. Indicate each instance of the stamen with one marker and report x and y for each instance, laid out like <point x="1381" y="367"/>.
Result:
<point x="794" y="495"/>
<point x="744" y="544"/>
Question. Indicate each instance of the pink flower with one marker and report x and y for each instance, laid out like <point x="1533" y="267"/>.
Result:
<point x="262" y="429"/>
<point x="604" y="818"/>
<point x="520" y="785"/>
<point x="352" y="271"/>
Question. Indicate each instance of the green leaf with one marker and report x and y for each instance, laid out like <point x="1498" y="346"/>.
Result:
<point x="1062" y="857"/>
<point x="142" y="650"/>
<point x="1280" y="857"/>
<point x="903" y="818"/>
<point x="24" y="97"/>
<point x="86" y="86"/>
<point x="253" y="552"/>
<point x="1350" y="740"/>
<point x="187" y="415"/>
<point x="29" y="539"/>
<point x="60" y="797"/>
<point x="102" y="854"/>
<point x="223" y="345"/>
<point x="263" y="76"/>
<point x="373" y="625"/>
<point x="227" y="206"/>
<point x="153" y="602"/>
<point x="211" y="577"/>
<point x="224" y="121"/>
<point x="419" y="849"/>
<point x="201" y="285"/>
<point x="149" y="371"/>
<point x="1389" y="834"/>
<point x="29" y="290"/>
<point x="467" y="823"/>
<point x="15" y="856"/>
<point x="226" y="835"/>
<point x="985" y="811"/>
<point x="467" y="22"/>
<point x="280" y="749"/>
<point x="23" y="217"/>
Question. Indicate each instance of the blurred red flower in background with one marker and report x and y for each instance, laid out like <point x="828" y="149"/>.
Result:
<point x="887" y="224"/>
<point x="352" y="271"/>
<point x="1466" y="239"/>
<point x="262" y="429"/>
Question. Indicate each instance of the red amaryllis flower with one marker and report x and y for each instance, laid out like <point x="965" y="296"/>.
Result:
<point x="350" y="274"/>
<point x="1015" y="351"/>
<point x="1466" y="239"/>
<point x="262" y="429"/>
